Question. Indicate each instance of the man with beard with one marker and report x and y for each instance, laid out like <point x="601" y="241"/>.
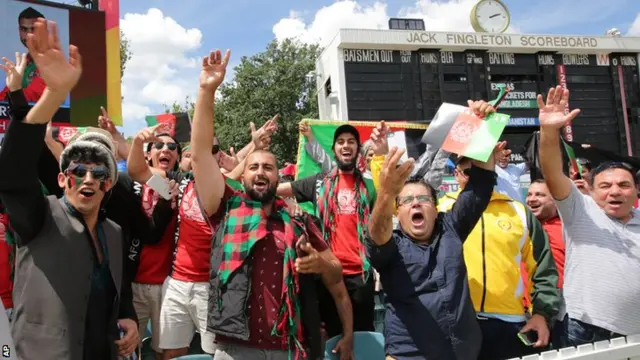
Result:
<point x="429" y="314"/>
<point x="32" y="83"/>
<point x="259" y="249"/>
<point x="601" y="300"/>
<point x="70" y="292"/>
<point x="540" y="202"/>
<point x="344" y="199"/>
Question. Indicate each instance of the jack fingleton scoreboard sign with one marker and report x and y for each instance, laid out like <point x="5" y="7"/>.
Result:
<point x="406" y="75"/>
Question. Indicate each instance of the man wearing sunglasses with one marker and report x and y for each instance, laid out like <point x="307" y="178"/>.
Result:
<point x="507" y="235"/>
<point x="601" y="233"/>
<point x="70" y="296"/>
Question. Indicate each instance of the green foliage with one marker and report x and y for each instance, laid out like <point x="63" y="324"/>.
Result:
<point x="187" y="106"/>
<point x="278" y="80"/>
<point x="125" y="52"/>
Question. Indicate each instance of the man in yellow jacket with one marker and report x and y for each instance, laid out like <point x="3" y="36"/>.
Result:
<point x="507" y="235"/>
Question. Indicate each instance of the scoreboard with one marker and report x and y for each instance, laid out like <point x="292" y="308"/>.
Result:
<point x="407" y="75"/>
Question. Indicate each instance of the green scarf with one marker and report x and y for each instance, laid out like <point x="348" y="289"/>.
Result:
<point x="328" y="208"/>
<point x="243" y="227"/>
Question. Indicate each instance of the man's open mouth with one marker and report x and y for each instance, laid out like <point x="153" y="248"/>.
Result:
<point x="347" y="155"/>
<point x="164" y="160"/>
<point x="260" y="185"/>
<point x="87" y="193"/>
<point x="535" y="206"/>
<point x="417" y="219"/>
<point x="615" y="203"/>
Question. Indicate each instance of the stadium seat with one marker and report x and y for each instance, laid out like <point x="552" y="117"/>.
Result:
<point x="195" y="357"/>
<point x="366" y="346"/>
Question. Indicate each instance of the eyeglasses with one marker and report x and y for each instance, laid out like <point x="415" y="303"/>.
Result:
<point x="215" y="149"/>
<point x="408" y="200"/>
<point x="100" y="172"/>
<point x="159" y="145"/>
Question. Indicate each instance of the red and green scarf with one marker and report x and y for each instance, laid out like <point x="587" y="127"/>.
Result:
<point x="244" y="226"/>
<point x="328" y="208"/>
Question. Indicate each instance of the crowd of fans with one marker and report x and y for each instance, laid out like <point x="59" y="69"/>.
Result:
<point x="91" y="255"/>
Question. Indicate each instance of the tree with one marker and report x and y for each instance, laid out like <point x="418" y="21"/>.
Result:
<point x="278" y="80"/>
<point x="125" y="52"/>
<point x="188" y="106"/>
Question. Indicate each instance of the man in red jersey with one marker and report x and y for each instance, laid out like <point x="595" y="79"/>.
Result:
<point x="32" y="84"/>
<point x="541" y="204"/>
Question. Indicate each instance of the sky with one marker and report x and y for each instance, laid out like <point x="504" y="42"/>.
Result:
<point x="168" y="37"/>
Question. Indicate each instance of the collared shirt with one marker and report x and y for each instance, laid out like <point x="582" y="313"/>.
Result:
<point x="509" y="181"/>
<point x="429" y="313"/>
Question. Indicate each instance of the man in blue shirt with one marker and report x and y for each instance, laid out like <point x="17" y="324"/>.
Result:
<point x="429" y="314"/>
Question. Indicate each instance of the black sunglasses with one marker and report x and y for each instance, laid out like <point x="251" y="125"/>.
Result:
<point x="466" y="171"/>
<point x="215" y="149"/>
<point x="159" y="145"/>
<point x="100" y="172"/>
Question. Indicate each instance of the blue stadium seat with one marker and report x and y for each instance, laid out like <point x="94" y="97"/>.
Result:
<point x="366" y="346"/>
<point x="195" y="357"/>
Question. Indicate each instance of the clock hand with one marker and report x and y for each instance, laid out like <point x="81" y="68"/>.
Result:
<point x="492" y="16"/>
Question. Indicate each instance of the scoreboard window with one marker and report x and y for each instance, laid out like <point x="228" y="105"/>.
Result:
<point x="406" y="24"/>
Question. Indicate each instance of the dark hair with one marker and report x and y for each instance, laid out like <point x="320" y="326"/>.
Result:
<point x="611" y="165"/>
<point x="539" y="181"/>
<point x="462" y="159"/>
<point x="30" y="13"/>
<point x="420" y="181"/>
<point x="179" y="148"/>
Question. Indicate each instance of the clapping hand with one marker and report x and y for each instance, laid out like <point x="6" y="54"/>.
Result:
<point x="15" y="72"/>
<point x="379" y="139"/>
<point x="214" y="68"/>
<point x="552" y="114"/>
<point x="59" y="74"/>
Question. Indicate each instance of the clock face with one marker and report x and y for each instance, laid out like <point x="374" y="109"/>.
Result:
<point x="492" y="16"/>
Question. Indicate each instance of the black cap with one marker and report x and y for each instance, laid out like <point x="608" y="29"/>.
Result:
<point x="346" y="128"/>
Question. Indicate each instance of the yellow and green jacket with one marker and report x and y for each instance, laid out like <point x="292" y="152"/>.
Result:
<point x="507" y="235"/>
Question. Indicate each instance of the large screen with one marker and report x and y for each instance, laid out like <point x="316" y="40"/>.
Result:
<point x="81" y="27"/>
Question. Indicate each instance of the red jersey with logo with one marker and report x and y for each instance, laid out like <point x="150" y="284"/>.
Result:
<point x="191" y="262"/>
<point x="345" y="244"/>
<point x="155" y="260"/>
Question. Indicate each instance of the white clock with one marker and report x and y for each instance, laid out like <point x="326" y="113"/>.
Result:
<point x="491" y="16"/>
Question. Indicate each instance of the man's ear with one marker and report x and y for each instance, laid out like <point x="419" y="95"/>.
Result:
<point x="62" y="180"/>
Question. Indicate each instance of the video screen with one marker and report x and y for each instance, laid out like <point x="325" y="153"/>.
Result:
<point x="81" y="27"/>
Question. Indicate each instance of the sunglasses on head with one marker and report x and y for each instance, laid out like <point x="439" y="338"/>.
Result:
<point x="215" y="149"/>
<point x="408" y="200"/>
<point x="100" y="172"/>
<point x="159" y="145"/>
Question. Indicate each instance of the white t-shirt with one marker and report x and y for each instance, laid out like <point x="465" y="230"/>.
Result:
<point x="508" y="182"/>
<point x="602" y="265"/>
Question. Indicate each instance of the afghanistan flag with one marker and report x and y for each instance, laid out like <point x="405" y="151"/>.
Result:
<point x="403" y="135"/>
<point x="66" y="133"/>
<point x="177" y="125"/>
<point x="458" y="130"/>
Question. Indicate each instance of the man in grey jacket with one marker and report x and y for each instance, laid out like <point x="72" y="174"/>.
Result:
<point x="70" y="300"/>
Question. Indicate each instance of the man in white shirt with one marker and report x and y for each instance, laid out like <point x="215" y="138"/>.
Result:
<point x="602" y="236"/>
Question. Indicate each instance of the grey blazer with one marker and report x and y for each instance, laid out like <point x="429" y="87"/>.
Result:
<point x="52" y="285"/>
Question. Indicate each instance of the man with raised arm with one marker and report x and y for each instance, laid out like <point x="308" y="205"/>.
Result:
<point x="70" y="296"/>
<point x="601" y="233"/>
<point x="259" y="250"/>
<point x="429" y="314"/>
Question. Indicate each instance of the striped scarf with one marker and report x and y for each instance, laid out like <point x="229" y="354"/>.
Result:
<point x="244" y="226"/>
<point x="328" y="208"/>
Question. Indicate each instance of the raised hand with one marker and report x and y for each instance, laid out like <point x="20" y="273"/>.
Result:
<point x="214" y="68"/>
<point x="393" y="176"/>
<point x="379" y="139"/>
<point x="147" y="134"/>
<point x="305" y="129"/>
<point x="262" y="137"/>
<point x="15" y="72"/>
<point x="552" y="113"/>
<point x="481" y="108"/>
<point x="105" y="123"/>
<point x="59" y="74"/>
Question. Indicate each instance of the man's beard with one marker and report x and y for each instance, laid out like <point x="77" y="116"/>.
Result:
<point x="264" y="197"/>
<point x="346" y="166"/>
